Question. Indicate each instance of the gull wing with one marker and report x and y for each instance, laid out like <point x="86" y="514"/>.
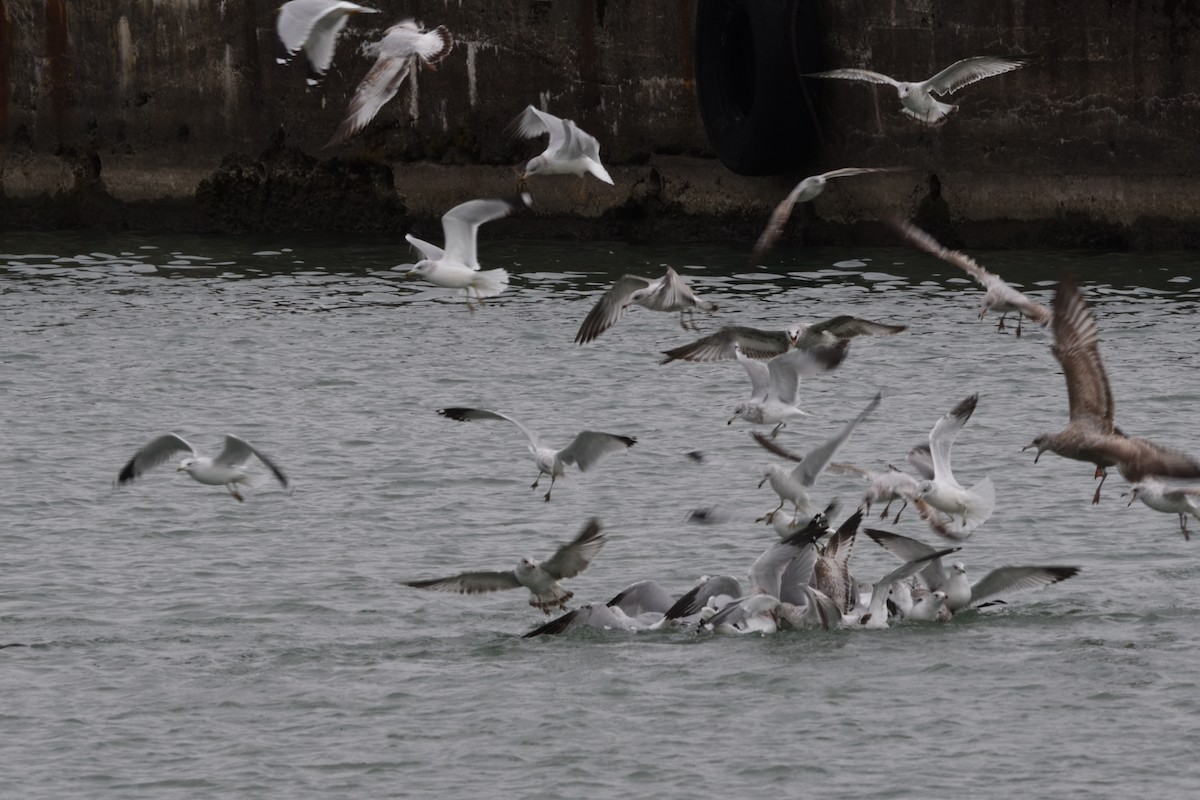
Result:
<point x="668" y="293"/>
<point x="815" y="460"/>
<point x="641" y="598"/>
<point x="153" y="453"/>
<point x="698" y="596"/>
<point x="787" y="369"/>
<point x="920" y="458"/>
<point x="1077" y="348"/>
<point x="1005" y="581"/>
<point x="427" y="250"/>
<point x="379" y="86"/>
<point x="237" y="451"/>
<point x="588" y="447"/>
<point x="573" y="558"/>
<point x="461" y="223"/>
<point x="941" y="438"/>
<point x="592" y="615"/>
<point x="719" y="346"/>
<point x="468" y="414"/>
<point x="904" y="548"/>
<point x="905" y="570"/>
<point x="767" y="570"/>
<point x="760" y="375"/>
<point x="778" y="219"/>
<point x="321" y="43"/>
<point x="470" y="582"/>
<point x="298" y="18"/>
<point x="847" y="327"/>
<point x="585" y="142"/>
<point x="532" y="123"/>
<point x="853" y="74"/>
<point x="610" y="307"/>
<point x="968" y="70"/>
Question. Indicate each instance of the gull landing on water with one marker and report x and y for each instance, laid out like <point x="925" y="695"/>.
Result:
<point x="668" y="293"/>
<point x="457" y="266"/>
<point x="405" y="45"/>
<point x="758" y="344"/>
<point x="805" y="190"/>
<point x="570" y="151"/>
<point x="917" y="97"/>
<point x="999" y="295"/>
<point x="587" y="448"/>
<point x="540" y="578"/>
<point x="1091" y="434"/>
<point x="313" y="26"/>
<point x="226" y="469"/>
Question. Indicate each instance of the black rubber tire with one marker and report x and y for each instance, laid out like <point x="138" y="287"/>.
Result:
<point x="749" y="57"/>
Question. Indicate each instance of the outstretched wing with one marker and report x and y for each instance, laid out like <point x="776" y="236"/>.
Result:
<point x="1009" y="580"/>
<point x="967" y="71"/>
<point x="461" y="223"/>
<point x="468" y="414"/>
<point x="856" y="75"/>
<point x="787" y="369"/>
<point x="719" y="346"/>
<point x="642" y="597"/>
<point x="610" y="307"/>
<point x="574" y="557"/>
<point x="1077" y="348"/>
<point x="941" y="438"/>
<point x="816" y="459"/>
<point x="470" y="582"/>
<point x="379" y="86"/>
<point x="588" y="447"/>
<point x="153" y="453"/>
<point x="906" y="549"/>
<point x="237" y="451"/>
<point x="533" y="122"/>
<point x="845" y="326"/>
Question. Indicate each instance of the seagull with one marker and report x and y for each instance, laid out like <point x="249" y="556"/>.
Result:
<point x="876" y="616"/>
<point x="892" y="484"/>
<point x="403" y="46"/>
<point x="226" y="469"/>
<point x="831" y="572"/>
<point x="929" y="607"/>
<point x="634" y="608"/>
<point x="805" y="190"/>
<point x="571" y="151"/>
<point x="774" y="385"/>
<point x="999" y="295"/>
<point x="711" y="591"/>
<point x="314" y="25"/>
<point x="457" y="267"/>
<point x="972" y="506"/>
<point x="668" y="293"/>
<point x="916" y="99"/>
<point x="767" y="344"/>
<point x="540" y="578"/>
<point x="960" y="593"/>
<point x="1091" y="434"/>
<point x="1181" y="500"/>
<point x="587" y="448"/>
<point x="793" y="483"/>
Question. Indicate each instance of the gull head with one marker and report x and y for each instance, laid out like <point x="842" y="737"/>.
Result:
<point x="186" y="465"/>
<point x="422" y="269"/>
<point x="1042" y="443"/>
<point x="795" y="332"/>
<point x="923" y="488"/>
<point x="737" y="412"/>
<point x="1134" y="490"/>
<point x="959" y="567"/>
<point x="526" y="566"/>
<point x="536" y="166"/>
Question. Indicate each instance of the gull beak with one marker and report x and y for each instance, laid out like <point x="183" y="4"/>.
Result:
<point x="760" y="483"/>
<point x="180" y="469"/>
<point x="730" y="421"/>
<point x="1132" y="497"/>
<point x="408" y="276"/>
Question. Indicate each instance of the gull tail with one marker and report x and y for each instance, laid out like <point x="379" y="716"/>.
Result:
<point x="937" y="115"/>
<point x="982" y="506"/>
<point x="488" y="283"/>
<point x="600" y="172"/>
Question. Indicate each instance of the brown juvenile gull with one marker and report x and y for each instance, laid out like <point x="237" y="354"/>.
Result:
<point x="585" y="449"/>
<point x="805" y="190"/>
<point x="1091" y="435"/>
<point x="540" y="578"/>
<point x="916" y="97"/>
<point x="761" y="345"/>
<point x="999" y="295"/>
<point x="668" y="293"/>
<point x="403" y="46"/>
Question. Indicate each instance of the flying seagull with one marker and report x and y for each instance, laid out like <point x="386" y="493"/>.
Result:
<point x="804" y="191"/>
<point x="767" y="344"/>
<point x="226" y="469"/>
<point x="457" y="266"/>
<point x="916" y="98"/>
<point x="402" y="48"/>
<point x="775" y="384"/>
<point x="1091" y="435"/>
<point x="313" y="26"/>
<point x="540" y="578"/>
<point x="570" y="151"/>
<point x="587" y="448"/>
<point x="999" y="295"/>
<point x="668" y="293"/>
<point x="972" y="506"/>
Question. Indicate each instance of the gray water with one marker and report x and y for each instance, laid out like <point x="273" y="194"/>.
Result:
<point x="182" y="645"/>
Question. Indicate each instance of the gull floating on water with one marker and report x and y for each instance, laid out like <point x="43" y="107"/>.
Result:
<point x="775" y="384"/>
<point x="999" y="295"/>
<point x="793" y="483"/>
<point x="571" y="151"/>
<point x="1181" y="500"/>
<point x="668" y="293"/>
<point x="635" y="608"/>
<point x="916" y="97"/>
<point x="587" y="448"/>
<point x="540" y="578"/>
<point x="403" y="47"/>
<point x="314" y="25"/>
<point x="1091" y="434"/>
<point x="758" y="344"/>
<point x="226" y="469"/>
<point x="805" y="190"/>
<point x="457" y="266"/>
<point x="970" y="506"/>
<point x="959" y="592"/>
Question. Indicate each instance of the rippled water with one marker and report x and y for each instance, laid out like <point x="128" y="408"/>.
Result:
<point x="179" y="644"/>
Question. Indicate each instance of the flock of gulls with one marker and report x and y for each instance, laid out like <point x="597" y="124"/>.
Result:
<point x="804" y="580"/>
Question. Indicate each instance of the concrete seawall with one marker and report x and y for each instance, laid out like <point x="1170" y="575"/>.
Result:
<point x="174" y="113"/>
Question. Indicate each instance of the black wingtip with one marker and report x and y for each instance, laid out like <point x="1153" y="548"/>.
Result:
<point x="457" y="414"/>
<point x="127" y="474"/>
<point x="554" y="627"/>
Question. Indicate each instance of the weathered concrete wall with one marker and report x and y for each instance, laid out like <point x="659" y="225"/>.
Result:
<point x="114" y="113"/>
